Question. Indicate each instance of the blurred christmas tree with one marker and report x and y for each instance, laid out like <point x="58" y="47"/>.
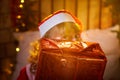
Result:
<point x="24" y="15"/>
<point x="115" y="9"/>
<point x="31" y="14"/>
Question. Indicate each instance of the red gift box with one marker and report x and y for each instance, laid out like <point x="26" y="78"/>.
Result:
<point x="70" y="63"/>
<point x="68" y="59"/>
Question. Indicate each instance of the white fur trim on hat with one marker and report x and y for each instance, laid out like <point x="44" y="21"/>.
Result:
<point x="54" y="20"/>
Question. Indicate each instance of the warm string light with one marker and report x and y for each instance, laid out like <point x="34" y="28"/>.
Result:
<point x="17" y="30"/>
<point x="21" y="6"/>
<point x="18" y="16"/>
<point x="23" y="24"/>
<point x="8" y="71"/>
<point x="22" y="1"/>
<point x="17" y="49"/>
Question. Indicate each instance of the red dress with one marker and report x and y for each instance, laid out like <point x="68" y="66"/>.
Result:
<point x="23" y="75"/>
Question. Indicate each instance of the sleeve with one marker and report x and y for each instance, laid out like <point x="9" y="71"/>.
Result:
<point x="23" y="75"/>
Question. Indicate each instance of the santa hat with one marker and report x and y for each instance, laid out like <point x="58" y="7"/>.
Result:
<point x="57" y="18"/>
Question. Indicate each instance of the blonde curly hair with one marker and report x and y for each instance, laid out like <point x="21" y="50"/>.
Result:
<point x="34" y="52"/>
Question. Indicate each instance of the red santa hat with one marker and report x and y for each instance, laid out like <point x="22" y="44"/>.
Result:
<point x="57" y="18"/>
